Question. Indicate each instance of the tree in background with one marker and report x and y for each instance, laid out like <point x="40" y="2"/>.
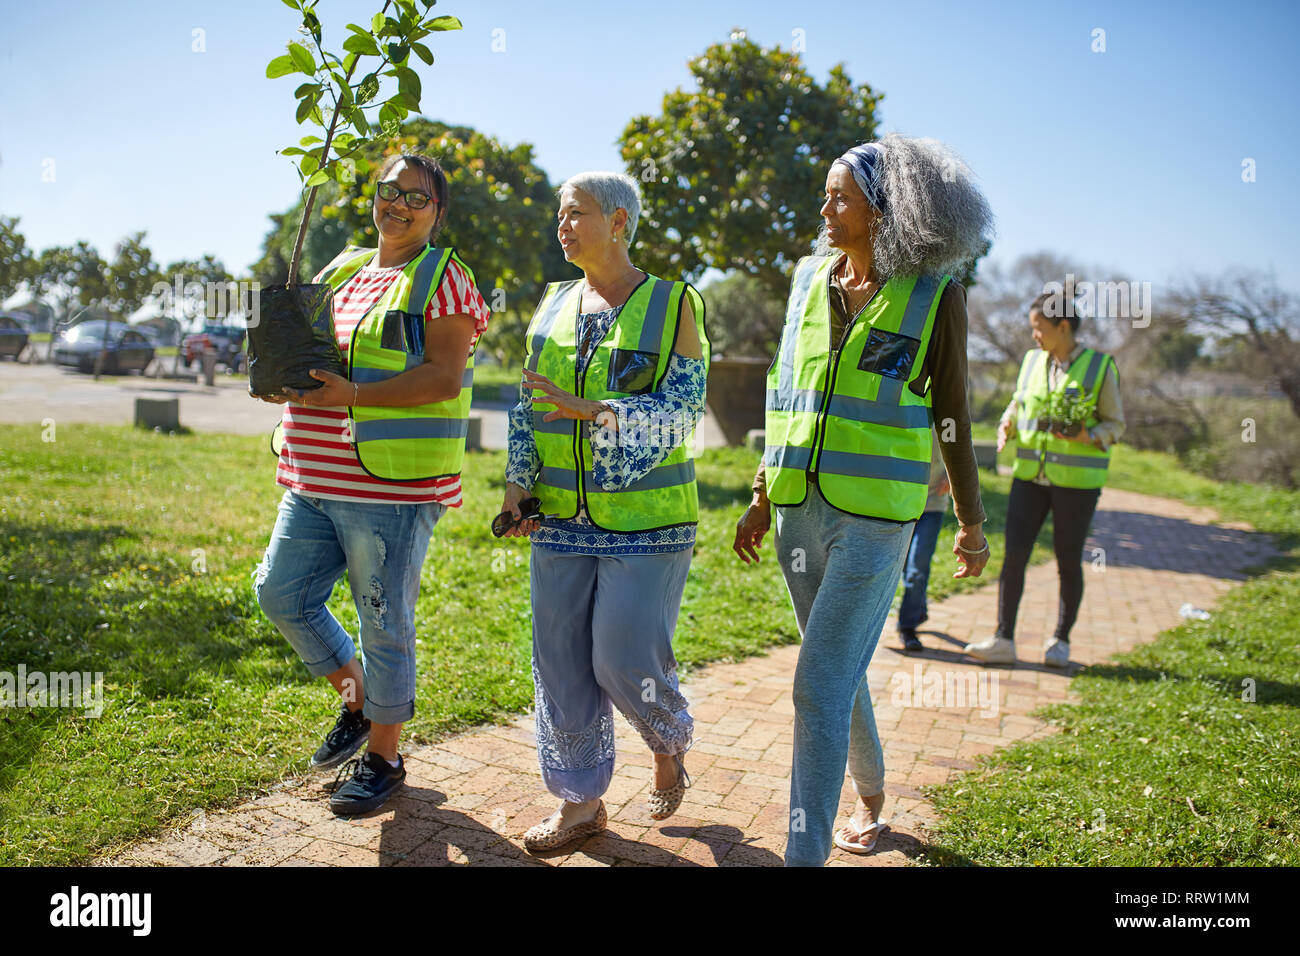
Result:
<point x="131" y="275"/>
<point x="500" y="216"/>
<point x="733" y="173"/>
<point x="73" y="277"/>
<point x="16" y="261"/>
<point x="744" y="317"/>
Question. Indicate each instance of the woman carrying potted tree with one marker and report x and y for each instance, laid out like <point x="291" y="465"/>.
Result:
<point x="1064" y="417"/>
<point x="369" y="464"/>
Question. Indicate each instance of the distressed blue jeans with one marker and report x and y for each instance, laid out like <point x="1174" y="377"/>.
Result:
<point x="841" y="571"/>
<point x="382" y="548"/>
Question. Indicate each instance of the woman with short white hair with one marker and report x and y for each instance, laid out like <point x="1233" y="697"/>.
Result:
<point x="872" y="354"/>
<point x="602" y="478"/>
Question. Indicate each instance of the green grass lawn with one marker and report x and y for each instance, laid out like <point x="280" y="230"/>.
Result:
<point x="1162" y="761"/>
<point x="131" y="553"/>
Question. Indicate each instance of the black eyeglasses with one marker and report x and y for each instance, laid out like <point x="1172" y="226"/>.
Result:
<point x="530" y="509"/>
<point x="414" y="199"/>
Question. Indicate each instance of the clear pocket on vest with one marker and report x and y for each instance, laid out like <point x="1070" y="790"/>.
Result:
<point x="889" y="354"/>
<point x="403" y="332"/>
<point x="631" y="371"/>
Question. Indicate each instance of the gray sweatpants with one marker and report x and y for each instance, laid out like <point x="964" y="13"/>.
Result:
<point x="602" y="634"/>
<point x="841" y="571"/>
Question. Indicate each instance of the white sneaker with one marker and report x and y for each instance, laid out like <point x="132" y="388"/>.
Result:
<point x="1057" y="653"/>
<point x="995" y="650"/>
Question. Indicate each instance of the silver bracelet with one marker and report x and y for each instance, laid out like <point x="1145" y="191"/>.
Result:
<point x="982" y="550"/>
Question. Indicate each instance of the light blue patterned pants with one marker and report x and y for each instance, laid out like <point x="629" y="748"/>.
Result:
<point x="841" y="571"/>
<point x="602" y="635"/>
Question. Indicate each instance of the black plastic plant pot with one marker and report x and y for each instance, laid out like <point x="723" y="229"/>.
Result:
<point x="290" y="332"/>
<point x="1069" y="429"/>
<point x="1043" y="425"/>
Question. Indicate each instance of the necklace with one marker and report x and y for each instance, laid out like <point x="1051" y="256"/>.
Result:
<point x="626" y="282"/>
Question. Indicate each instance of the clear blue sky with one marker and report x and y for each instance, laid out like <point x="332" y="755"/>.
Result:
<point x="1130" y="158"/>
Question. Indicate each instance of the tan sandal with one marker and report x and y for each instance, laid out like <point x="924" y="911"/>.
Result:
<point x="550" y="836"/>
<point x="662" y="804"/>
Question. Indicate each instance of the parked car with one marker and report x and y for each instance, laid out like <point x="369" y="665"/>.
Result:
<point x="126" y="348"/>
<point x="226" y="340"/>
<point x="13" y="335"/>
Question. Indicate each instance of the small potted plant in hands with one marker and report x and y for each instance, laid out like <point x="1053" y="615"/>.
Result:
<point x="1066" y="413"/>
<point x="291" y="325"/>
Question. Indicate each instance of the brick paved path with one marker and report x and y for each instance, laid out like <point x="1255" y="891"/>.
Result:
<point x="470" y="798"/>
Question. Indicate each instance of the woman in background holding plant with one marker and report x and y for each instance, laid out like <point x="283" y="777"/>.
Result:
<point x="1064" y="417"/>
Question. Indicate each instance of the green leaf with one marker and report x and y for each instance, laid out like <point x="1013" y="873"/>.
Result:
<point x="305" y="107"/>
<point x="350" y="61"/>
<point x="341" y="140"/>
<point x="444" y="23"/>
<point x="389" y="121"/>
<point x="356" y="29"/>
<point x="308" y="165"/>
<point x="302" y="58"/>
<point x="377" y="23"/>
<point x="406" y="101"/>
<point x="361" y="43"/>
<point x="293" y="4"/>
<point x="423" y="53"/>
<point x="280" y="66"/>
<point x="368" y="88"/>
<point x="408" y="82"/>
<point x="308" y="140"/>
<point x="305" y="90"/>
<point x="398" y="52"/>
<point x="317" y="178"/>
<point x="292" y="151"/>
<point x="345" y="173"/>
<point x="359" y="123"/>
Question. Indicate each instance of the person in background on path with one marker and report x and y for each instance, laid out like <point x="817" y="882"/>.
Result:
<point x="1060" y="467"/>
<point x="871" y="359"/>
<point x="369" y="464"/>
<point x="913" y="612"/>
<point x="614" y="474"/>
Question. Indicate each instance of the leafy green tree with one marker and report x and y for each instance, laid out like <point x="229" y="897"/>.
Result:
<point x="131" y="275"/>
<point x="72" y="277"/>
<point x="744" y="316"/>
<point x="733" y="172"/>
<point x="16" y="260"/>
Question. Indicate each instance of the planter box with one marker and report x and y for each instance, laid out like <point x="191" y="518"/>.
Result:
<point x="737" y="394"/>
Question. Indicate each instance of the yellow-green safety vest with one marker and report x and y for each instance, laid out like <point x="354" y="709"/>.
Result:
<point x="632" y="359"/>
<point x="869" y="444"/>
<point x="420" y="442"/>
<point x="1068" y="464"/>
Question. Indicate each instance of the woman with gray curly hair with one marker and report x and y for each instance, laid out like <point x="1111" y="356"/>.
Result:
<point x="873" y="354"/>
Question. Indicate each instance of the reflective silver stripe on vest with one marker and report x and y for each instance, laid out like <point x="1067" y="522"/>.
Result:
<point x="1028" y="454"/>
<point x="565" y="479"/>
<point x="666" y="476"/>
<point x="547" y="321"/>
<point x="560" y="426"/>
<point x="793" y="321"/>
<point x="883" y="467"/>
<point x="422" y="281"/>
<point x="800" y="399"/>
<point x="388" y="428"/>
<point x="913" y="326"/>
<point x="1077" y="461"/>
<point x="880" y="413"/>
<point x="787" y="456"/>
<point x="363" y="375"/>
<point x="1094" y="367"/>
<point x="656" y="317"/>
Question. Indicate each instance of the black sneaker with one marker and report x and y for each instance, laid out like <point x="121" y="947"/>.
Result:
<point x="373" y="782"/>
<point x="911" y="643"/>
<point x="350" y="732"/>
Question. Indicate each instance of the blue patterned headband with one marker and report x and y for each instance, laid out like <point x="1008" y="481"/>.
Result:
<point x="864" y="162"/>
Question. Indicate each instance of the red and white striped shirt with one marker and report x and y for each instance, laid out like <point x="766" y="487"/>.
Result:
<point x="316" y="458"/>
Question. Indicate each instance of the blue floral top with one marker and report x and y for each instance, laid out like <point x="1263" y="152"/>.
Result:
<point x="619" y="458"/>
